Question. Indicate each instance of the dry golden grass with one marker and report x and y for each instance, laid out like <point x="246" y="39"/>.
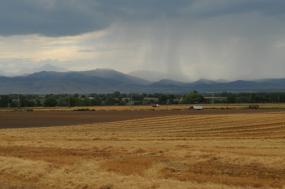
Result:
<point x="231" y="151"/>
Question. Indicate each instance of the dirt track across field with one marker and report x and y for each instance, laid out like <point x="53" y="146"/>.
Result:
<point x="21" y="119"/>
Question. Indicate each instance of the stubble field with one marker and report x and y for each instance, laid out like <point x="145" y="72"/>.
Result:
<point x="230" y="150"/>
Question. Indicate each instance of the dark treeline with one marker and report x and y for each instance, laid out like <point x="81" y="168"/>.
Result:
<point x="254" y="97"/>
<point x="117" y="98"/>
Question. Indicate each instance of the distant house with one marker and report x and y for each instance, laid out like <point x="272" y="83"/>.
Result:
<point x="128" y="101"/>
<point x="91" y="98"/>
<point x="155" y="105"/>
<point x="198" y="107"/>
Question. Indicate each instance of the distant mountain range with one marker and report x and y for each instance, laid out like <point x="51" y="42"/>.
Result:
<point x="106" y="81"/>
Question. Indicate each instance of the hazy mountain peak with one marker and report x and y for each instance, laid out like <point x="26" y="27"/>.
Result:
<point x="113" y="74"/>
<point x="49" y="68"/>
<point x="102" y="72"/>
<point x="155" y="76"/>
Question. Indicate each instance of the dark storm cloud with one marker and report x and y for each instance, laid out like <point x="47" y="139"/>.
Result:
<point x="61" y="17"/>
<point x="210" y="8"/>
<point x="71" y="17"/>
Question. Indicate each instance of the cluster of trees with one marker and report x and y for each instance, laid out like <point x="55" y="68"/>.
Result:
<point x="118" y="98"/>
<point x="254" y="97"/>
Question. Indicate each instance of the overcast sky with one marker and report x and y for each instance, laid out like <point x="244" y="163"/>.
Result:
<point x="196" y="39"/>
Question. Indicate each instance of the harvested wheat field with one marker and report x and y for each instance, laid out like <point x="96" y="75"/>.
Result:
<point x="191" y="151"/>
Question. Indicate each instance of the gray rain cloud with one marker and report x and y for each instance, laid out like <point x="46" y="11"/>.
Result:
<point x="71" y="17"/>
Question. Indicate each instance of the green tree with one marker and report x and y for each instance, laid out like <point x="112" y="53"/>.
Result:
<point x="50" y="101"/>
<point x="193" y="98"/>
<point x="4" y="101"/>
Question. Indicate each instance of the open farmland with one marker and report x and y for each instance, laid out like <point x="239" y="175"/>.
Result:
<point x="198" y="150"/>
<point x="63" y="116"/>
